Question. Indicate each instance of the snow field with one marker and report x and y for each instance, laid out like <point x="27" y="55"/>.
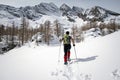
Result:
<point x="97" y="59"/>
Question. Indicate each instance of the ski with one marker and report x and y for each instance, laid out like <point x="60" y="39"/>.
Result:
<point x="71" y="61"/>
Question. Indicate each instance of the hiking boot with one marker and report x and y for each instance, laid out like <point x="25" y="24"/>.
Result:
<point x="65" y="63"/>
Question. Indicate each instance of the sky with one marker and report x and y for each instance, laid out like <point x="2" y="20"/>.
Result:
<point x="113" y="5"/>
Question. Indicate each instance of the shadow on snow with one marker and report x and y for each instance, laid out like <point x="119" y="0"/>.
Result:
<point x="85" y="59"/>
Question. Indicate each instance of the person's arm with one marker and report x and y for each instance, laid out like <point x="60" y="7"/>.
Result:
<point x="61" y="39"/>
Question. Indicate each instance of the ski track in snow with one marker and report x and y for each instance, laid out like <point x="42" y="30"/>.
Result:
<point x="70" y="72"/>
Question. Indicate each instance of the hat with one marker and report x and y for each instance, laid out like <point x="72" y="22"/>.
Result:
<point x="67" y="32"/>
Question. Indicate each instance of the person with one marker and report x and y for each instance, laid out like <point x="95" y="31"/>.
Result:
<point x="67" y="39"/>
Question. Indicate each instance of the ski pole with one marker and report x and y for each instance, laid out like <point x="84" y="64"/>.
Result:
<point x="59" y="53"/>
<point x="75" y="53"/>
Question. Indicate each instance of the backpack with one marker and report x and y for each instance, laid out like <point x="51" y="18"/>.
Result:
<point x="66" y="39"/>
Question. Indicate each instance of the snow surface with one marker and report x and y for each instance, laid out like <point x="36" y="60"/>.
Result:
<point x="97" y="59"/>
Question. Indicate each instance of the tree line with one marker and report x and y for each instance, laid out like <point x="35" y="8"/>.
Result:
<point x="18" y="35"/>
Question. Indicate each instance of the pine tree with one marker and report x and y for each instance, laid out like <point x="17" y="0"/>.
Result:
<point x="57" y="28"/>
<point x="23" y="29"/>
<point x="2" y="27"/>
<point x="13" y="34"/>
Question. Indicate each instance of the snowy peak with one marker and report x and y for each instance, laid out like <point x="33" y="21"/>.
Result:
<point x="105" y="10"/>
<point x="99" y="13"/>
<point x="47" y="8"/>
<point x="9" y="11"/>
<point x="67" y="11"/>
<point x="77" y="9"/>
<point x="101" y="10"/>
<point x="30" y="12"/>
<point x="65" y="7"/>
<point x="96" y="11"/>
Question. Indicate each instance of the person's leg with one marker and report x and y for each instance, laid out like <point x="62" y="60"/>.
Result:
<point x="68" y="53"/>
<point x="65" y="54"/>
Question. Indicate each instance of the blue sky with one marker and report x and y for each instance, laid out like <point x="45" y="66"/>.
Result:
<point x="113" y="5"/>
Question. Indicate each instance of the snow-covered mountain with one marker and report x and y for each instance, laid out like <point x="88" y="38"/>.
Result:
<point x="36" y="12"/>
<point x="31" y="12"/>
<point x="98" y="13"/>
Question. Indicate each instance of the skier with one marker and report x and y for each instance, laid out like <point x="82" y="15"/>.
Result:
<point x="67" y="46"/>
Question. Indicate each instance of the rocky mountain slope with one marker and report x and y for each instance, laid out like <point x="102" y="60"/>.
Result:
<point x="36" y="12"/>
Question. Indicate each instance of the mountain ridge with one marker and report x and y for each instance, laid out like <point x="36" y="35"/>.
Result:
<point x="36" y="12"/>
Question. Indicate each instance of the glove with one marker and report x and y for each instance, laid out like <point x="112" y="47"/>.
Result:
<point x="73" y="44"/>
<point x="60" y="40"/>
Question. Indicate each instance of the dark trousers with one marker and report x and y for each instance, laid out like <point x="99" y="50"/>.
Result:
<point x="67" y="48"/>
